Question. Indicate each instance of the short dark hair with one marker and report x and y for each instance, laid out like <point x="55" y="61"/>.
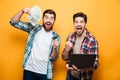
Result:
<point x="49" y="11"/>
<point x="80" y="14"/>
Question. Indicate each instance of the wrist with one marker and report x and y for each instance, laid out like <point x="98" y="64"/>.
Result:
<point x="54" y="50"/>
<point x="67" y="50"/>
<point x="22" y="11"/>
<point x="66" y="53"/>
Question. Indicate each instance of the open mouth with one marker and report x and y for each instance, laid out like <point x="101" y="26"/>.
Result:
<point x="79" y="28"/>
<point x="48" y="23"/>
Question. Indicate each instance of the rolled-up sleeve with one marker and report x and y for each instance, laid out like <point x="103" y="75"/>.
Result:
<point x="25" y="26"/>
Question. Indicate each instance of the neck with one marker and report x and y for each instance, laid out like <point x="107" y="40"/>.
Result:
<point x="80" y="35"/>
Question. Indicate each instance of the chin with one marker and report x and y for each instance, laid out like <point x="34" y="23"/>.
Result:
<point x="48" y="29"/>
<point x="78" y="32"/>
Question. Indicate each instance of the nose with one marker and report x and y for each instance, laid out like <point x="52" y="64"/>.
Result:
<point x="79" y="24"/>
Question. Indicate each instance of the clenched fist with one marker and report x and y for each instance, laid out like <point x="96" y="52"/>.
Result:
<point x="55" y="43"/>
<point x="68" y="46"/>
<point x="27" y="11"/>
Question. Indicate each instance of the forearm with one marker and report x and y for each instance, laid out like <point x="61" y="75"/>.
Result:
<point x="54" y="54"/>
<point x="65" y="55"/>
<point x="17" y="17"/>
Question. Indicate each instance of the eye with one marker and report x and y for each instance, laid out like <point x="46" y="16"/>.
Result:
<point x="82" y="21"/>
<point x="76" y="21"/>
<point x="46" y="17"/>
<point x="52" y="18"/>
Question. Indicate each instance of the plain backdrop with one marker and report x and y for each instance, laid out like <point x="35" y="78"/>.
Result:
<point x="103" y="23"/>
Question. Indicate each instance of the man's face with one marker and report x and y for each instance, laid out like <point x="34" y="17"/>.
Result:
<point x="48" y="21"/>
<point x="79" y="25"/>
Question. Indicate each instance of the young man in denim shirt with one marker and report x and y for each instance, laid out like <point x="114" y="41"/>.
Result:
<point x="42" y="46"/>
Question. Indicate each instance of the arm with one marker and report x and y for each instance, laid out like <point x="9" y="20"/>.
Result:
<point x="16" y="22"/>
<point x="17" y="17"/>
<point x="94" y="50"/>
<point x="55" y="51"/>
<point x="74" y="68"/>
<point x="65" y="54"/>
<point x="55" y="47"/>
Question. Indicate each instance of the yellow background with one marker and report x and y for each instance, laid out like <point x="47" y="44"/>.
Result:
<point x="103" y="22"/>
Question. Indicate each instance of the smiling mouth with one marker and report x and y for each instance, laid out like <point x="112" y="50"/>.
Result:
<point x="79" y="28"/>
<point x="48" y="23"/>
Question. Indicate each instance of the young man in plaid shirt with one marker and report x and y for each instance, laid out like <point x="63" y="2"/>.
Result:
<point x="80" y="42"/>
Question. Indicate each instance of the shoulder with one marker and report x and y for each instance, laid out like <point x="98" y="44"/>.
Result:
<point x="72" y="35"/>
<point x="90" y="37"/>
<point x="55" y="35"/>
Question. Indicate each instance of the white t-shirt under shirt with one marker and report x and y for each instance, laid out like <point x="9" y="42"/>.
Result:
<point x="38" y="59"/>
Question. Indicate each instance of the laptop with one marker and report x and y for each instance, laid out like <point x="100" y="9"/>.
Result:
<point x="82" y="60"/>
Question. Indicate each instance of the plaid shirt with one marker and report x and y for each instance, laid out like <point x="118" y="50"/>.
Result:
<point x="89" y="45"/>
<point x="32" y="30"/>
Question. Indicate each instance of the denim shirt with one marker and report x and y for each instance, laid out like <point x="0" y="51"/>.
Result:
<point x="32" y="30"/>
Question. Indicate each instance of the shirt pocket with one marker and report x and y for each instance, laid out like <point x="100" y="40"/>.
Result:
<point x="84" y="49"/>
